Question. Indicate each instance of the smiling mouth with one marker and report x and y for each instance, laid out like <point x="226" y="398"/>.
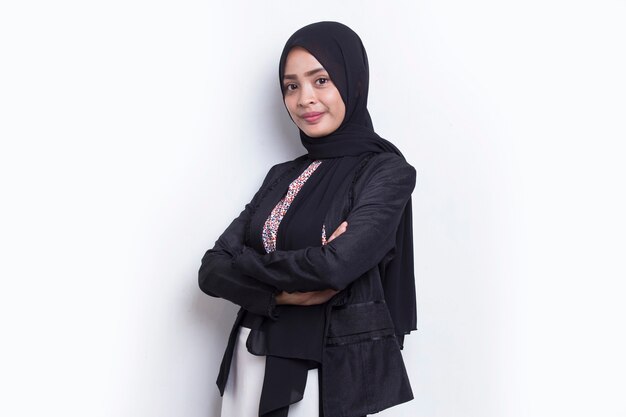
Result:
<point x="312" y="117"/>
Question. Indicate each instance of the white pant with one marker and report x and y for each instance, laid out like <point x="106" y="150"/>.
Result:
<point x="245" y="381"/>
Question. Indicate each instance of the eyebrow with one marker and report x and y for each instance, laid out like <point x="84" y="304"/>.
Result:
<point x="306" y="74"/>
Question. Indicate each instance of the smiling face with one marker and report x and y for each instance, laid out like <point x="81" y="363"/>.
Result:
<point x="311" y="98"/>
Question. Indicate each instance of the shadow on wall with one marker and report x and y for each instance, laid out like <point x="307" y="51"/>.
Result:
<point x="215" y="318"/>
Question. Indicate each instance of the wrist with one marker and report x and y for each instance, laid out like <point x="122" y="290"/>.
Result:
<point x="280" y="297"/>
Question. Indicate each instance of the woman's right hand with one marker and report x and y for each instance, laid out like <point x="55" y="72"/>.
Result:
<point x="311" y="297"/>
<point x="305" y="298"/>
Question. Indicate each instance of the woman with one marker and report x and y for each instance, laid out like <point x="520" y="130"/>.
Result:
<point x="322" y="320"/>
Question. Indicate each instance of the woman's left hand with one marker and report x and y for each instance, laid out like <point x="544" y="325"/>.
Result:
<point x="338" y="231"/>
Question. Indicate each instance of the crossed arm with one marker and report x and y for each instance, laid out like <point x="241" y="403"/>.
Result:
<point x="257" y="282"/>
<point x="311" y="297"/>
<point x="218" y="278"/>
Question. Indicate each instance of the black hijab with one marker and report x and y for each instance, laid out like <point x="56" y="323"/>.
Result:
<point x="341" y="52"/>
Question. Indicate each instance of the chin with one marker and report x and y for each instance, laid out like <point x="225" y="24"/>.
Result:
<point x="316" y="133"/>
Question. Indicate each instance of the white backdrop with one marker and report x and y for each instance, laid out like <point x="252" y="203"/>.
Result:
<point x="118" y="118"/>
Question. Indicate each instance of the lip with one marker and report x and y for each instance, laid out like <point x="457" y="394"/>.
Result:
<point x="312" y="117"/>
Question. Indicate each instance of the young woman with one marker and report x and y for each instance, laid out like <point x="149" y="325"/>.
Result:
<point x="327" y="297"/>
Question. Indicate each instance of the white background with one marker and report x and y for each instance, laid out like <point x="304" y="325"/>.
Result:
<point x="132" y="132"/>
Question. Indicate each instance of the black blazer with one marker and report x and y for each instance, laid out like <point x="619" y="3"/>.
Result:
<point x="362" y="370"/>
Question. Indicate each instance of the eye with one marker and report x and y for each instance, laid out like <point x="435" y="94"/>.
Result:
<point x="289" y="87"/>
<point x="323" y="80"/>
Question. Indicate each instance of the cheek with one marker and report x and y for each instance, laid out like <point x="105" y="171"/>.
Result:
<point x="339" y="108"/>
<point x="336" y="103"/>
<point x="289" y="104"/>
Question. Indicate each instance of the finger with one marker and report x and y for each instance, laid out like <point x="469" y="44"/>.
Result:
<point x="328" y="295"/>
<point x="340" y="229"/>
<point x="343" y="225"/>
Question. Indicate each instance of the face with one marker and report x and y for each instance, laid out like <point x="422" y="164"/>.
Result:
<point x="311" y="98"/>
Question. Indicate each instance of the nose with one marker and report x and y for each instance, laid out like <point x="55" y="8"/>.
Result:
<point x="307" y="95"/>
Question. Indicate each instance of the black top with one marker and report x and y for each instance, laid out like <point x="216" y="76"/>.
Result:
<point x="293" y="342"/>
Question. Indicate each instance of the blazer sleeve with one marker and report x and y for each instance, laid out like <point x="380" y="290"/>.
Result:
<point x="218" y="278"/>
<point x="371" y="232"/>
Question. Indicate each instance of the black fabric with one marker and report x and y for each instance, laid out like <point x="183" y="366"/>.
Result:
<point x="341" y="53"/>
<point x="293" y="344"/>
<point x="299" y="331"/>
<point x="279" y="373"/>
<point x="312" y="203"/>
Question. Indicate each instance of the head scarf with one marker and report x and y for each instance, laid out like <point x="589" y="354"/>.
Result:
<point x="341" y="52"/>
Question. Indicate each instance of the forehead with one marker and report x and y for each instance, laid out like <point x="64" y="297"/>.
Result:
<point x="299" y="62"/>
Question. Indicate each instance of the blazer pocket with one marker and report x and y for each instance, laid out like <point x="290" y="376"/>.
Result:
<point x="353" y="323"/>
